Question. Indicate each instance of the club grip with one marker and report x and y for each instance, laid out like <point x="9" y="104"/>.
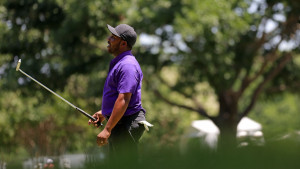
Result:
<point x="99" y="124"/>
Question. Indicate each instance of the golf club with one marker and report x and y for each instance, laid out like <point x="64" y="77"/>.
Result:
<point x="80" y="110"/>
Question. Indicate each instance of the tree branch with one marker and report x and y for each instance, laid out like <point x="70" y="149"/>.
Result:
<point x="283" y="87"/>
<point x="199" y="106"/>
<point x="270" y="76"/>
<point x="269" y="58"/>
<point x="248" y="80"/>
<point x="201" y="111"/>
<point x="173" y="88"/>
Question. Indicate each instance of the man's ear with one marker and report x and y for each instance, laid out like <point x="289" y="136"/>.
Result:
<point x="124" y="43"/>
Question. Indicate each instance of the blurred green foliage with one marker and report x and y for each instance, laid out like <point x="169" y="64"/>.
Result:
<point x="280" y="117"/>
<point x="214" y="58"/>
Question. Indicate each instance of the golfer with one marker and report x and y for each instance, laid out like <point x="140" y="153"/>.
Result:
<point x="121" y="102"/>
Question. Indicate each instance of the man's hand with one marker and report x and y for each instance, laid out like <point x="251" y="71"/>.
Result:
<point x="102" y="137"/>
<point x="98" y="115"/>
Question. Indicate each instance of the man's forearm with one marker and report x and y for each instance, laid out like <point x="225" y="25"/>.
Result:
<point x="119" y="109"/>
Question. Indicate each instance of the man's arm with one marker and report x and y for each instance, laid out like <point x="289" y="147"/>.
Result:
<point x="119" y="109"/>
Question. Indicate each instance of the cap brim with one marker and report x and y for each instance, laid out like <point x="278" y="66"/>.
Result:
<point x="112" y="30"/>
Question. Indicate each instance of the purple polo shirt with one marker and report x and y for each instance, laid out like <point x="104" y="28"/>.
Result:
<point x="124" y="76"/>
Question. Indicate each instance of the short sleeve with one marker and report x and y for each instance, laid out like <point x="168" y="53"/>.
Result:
<point x="128" y="78"/>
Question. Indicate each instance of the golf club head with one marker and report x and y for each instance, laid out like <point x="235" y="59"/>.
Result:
<point x="18" y="65"/>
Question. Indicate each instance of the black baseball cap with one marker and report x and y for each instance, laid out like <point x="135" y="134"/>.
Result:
<point x="125" y="32"/>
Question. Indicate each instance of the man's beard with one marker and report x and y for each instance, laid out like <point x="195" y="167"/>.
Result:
<point x="115" y="49"/>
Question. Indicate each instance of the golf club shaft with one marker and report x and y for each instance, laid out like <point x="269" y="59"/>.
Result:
<point x="80" y="110"/>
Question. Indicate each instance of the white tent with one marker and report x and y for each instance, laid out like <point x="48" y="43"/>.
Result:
<point x="209" y="132"/>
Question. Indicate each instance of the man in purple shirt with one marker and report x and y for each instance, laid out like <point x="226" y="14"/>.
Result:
<point x="121" y="102"/>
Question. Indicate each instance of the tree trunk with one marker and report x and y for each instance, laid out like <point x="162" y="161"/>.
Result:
<point x="227" y="137"/>
<point x="227" y="120"/>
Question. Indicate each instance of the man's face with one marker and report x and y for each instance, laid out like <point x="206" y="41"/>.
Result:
<point x="113" y="46"/>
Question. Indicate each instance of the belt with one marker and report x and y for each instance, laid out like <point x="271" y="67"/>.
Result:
<point x="141" y="119"/>
<point x="129" y="117"/>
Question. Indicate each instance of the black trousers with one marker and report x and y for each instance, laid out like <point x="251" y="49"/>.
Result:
<point x="125" y="136"/>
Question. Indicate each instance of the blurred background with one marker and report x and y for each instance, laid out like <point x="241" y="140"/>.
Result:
<point x="208" y="65"/>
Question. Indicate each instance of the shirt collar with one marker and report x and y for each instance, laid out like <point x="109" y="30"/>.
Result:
<point x="114" y="61"/>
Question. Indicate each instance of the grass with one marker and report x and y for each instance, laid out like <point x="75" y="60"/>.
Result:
<point x="276" y="155"/>
<point x="280" y="155"/>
